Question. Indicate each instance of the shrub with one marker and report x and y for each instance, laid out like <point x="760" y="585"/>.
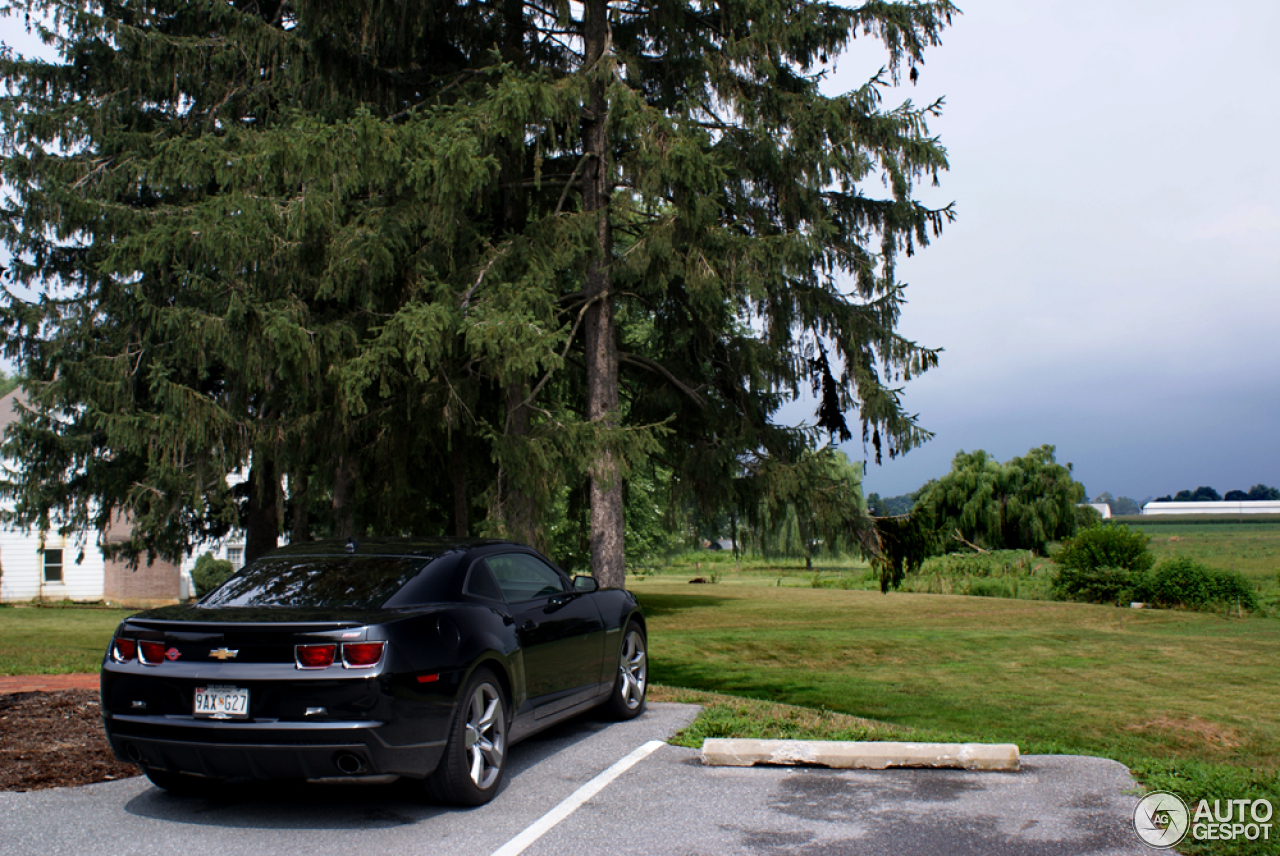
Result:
<point x="993" y="563"/>
<point x="993" y="588"/>
<point x="1111" y="545"/>
<point x="1184" y="582"/>
<point x="209" y="573"/>
<point x="1099" y="585"/>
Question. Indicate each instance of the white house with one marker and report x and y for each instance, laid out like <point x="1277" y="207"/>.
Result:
<point x="72" y="567"/>
<point x="1248" y="506"/>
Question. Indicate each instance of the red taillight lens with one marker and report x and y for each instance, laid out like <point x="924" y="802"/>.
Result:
<point x="123" y="650"/>
<point x="362" y="655"/>
<point x="315" y="656"/>
<point x="151" y="653"/>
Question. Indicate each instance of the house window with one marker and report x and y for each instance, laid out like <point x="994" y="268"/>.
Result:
<point x="53" y="566"/>
<point x="235" y="555"/>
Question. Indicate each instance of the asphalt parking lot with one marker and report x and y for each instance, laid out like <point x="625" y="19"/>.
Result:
<point x="566" y="793"/>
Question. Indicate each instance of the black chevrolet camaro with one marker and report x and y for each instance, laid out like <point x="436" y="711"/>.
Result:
<point x="423" y="659"/>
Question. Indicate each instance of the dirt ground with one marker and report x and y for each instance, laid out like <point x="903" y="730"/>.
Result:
<point x="55" y="740"/>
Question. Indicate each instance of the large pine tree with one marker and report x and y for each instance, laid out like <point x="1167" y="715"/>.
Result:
<point x="403" y="262"/>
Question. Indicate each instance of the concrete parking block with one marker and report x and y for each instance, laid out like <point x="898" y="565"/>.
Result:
<point x="869" y="755"/>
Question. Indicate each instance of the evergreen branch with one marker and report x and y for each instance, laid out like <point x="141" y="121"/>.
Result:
<point x="102" y="165"/>
<point x="563" y="353"/>
<point x="466" y="75"/>
<point x="470" y="292"/>
<point x="653" y="365"/>
<point x="568" y="185"/>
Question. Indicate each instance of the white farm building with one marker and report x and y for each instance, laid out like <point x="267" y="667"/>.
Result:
<point x="1249" y="506"/>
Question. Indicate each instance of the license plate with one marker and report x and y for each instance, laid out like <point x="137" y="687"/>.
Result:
<point x="222" y="702"/>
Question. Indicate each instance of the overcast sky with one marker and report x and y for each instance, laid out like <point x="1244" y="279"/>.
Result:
<point x="1111" y="283"/>
<point x="1110" y="286"/>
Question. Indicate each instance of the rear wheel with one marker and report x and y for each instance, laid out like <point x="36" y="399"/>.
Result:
<point x="632" y="681"/>
<point x="476" y="755"/>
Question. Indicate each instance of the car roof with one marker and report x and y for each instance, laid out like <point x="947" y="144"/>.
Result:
<point x="425" y="548"/>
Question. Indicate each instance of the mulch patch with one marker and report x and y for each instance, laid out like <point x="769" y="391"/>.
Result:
<point x="55" y="740"/>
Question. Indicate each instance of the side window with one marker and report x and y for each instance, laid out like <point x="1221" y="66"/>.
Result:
<point x="53" y="566"/>
<point x="480" y="583"/>
<point x="524" y="577"/>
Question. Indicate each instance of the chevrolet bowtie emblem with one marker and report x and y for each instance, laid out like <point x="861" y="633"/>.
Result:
<point x="223" y="653"/>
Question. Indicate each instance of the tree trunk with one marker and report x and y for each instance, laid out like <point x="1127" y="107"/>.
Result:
<point x="262" y="523"/>
<point x="458" y="475"/>
<point x="344" y="512"/>
<point x="519" y="513"/>
<point x="299" y="512"/>
<point x="608" y="560"/>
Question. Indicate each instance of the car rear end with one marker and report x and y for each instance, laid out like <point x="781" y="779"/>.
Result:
<point x="291" y="669"/>
<point x="309" y="700"/>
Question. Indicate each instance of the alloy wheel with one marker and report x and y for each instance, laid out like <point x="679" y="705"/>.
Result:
<point x="634" y="668"/>
<point x="486" y="735"/>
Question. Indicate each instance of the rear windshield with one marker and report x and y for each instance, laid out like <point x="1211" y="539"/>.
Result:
<point x="350" y="582"/>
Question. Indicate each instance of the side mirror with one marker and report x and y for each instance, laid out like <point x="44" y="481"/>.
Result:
<point x="583" y="583"/>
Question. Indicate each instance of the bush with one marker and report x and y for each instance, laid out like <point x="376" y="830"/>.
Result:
<point x="209" y="573"/>
<point x="1099" y="585"/>
<point x="1184" y="582"/>
<point x="1111" y="545"/>
<point x="993" y="588"/>
<point x="993" y="563"/>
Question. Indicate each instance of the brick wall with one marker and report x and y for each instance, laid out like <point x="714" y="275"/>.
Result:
<point x="146" y="584"/>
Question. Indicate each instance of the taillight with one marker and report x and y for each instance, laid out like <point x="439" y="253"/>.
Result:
<point x="314" y="656"/>
<point x="362" y="655"/>
<point x="123" y="650"/>
<point x="151" y="653"/>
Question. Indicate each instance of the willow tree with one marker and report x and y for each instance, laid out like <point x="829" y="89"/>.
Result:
<point x="1021" y="504"/>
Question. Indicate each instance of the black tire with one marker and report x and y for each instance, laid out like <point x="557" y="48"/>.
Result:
<point x="475" y="757"/>
<point x="180" y="784"/>
<point x="631" y="684"/>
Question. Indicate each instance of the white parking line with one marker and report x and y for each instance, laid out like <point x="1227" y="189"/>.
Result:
<point x="570" y="804"/>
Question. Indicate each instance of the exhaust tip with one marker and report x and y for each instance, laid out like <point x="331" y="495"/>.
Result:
<point x="349" y="764"/>
<point x="133" y="753"/>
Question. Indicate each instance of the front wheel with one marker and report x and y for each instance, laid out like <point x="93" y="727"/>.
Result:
<point x="476" y="753"/>
<point x="627" y="700"/>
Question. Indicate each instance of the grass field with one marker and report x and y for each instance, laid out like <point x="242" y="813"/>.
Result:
<point x="1253" y="549"/>
<point x="54" y="640"/>
<point x="1071" y="677"/>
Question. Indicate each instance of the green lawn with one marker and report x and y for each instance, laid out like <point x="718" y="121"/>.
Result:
<point x="1076" y="676"/>
<point x="50" y="640"/>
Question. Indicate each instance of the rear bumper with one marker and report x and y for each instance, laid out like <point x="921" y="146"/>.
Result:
<point x="272" y="750"/>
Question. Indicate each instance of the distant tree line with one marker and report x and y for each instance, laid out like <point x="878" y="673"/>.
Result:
<point x="1208" y="494"/>
<point x="891" y="506"/>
